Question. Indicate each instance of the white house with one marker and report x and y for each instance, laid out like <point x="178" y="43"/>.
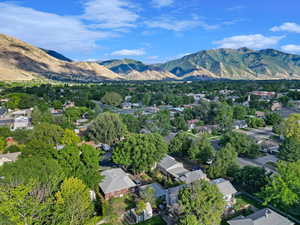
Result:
<point x="226" y="188"/>
<point x="21" y="122"/>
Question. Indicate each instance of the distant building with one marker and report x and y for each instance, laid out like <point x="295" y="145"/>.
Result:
<point x="126" y="105"/>
<point x="192" y="124"/>
<point x="207" y="129"/>
<point x="276" y="106"/>
<point x="226" y="188"/>
<point x="240" y="124"/>
<point x="9" y="157"/>
<point x="21" y="122"/>
<point x="262" y="217"/>
<point x="263" y="93"/>
<point x="116" y="183"/>
<point x="3" y="112"/>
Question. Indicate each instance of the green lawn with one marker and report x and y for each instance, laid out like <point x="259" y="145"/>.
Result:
<point x="157" y="220"/>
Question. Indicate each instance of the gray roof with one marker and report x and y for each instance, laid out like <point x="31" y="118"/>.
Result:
<point x="192" y="176"/>
<point x="168" y="162"/>
<point x="262" y="217"/>
<point x="224" y="186"/>
<point x="10" y="156"/>
<point x="115" y="180"/>
<point x="158" y="189"/>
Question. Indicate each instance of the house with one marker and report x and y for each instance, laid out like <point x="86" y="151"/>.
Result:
<point x="116" y="183"/>
<point x="226" y="188"/>
<point x="276" y="106"/>
<point x="192" y="176"/>
<point x="269" y="146"/>
<point x="126" y="105"/>
<point x="19" y="113"/>
<point x="6" y="122"/>
<point x="145" y="215"/>
<point x="172" y="196"/>
<point x="267" y="94"/>
<point x="192" y="124"/>
<point x="240" y="124"/>
<point x="262" y="217"/>
<point x="9" y="157"/>
<point x="159" y="191"/>
<point x="21" y="122"/>
<point x="207" y="129"/>
<point x="170" y="167"/>
<point x="260" y="114"/>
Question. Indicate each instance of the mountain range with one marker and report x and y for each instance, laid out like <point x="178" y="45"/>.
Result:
<point x="21" y="61"/>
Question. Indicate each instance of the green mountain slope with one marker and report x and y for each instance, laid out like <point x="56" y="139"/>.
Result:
<point x="240" y="63"/>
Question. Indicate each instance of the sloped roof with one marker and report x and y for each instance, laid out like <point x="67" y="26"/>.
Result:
<point x="192" y="176"/>
<point x="168" y="162"/>
<point x="262" y="217"/>
<point x="115" y="180"/>
<point x="224" y="186"/>
<point x="12" y="157"/>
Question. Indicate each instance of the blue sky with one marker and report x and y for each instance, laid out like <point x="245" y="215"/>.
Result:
<point x="151" y="30"/>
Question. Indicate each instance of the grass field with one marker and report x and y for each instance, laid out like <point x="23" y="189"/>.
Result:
<point x="157" y="220"/>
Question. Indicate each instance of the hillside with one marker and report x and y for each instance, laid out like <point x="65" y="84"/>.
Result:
<point x="241" y="63"/>
<point x="135" y="70"/>
<point x="57" y="55"/>
<point x="21" y="61"/>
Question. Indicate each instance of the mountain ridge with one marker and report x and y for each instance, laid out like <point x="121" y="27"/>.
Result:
<point x="22" y="61"/>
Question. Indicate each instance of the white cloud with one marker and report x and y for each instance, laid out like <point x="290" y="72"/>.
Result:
<point x="291" y="48"/>
<point x="178" y="25"/>
<point x="47" y="30"/>
<point x="289" y="27"/>
<point x="162" y="3"/>
<point x="250" y="41"/>
<point x="110" y="13"/>
<point x="129" y="52"/>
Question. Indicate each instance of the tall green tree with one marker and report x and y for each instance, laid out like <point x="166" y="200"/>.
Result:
<point x="112" y="98"/>
<point x="202" y="201"/>
<point x="140" y="152"/>
<point x="289" y="149"/>
<point x="180" y="144"/>
<point x="292" y="126"/>
<point x="201" y="150"/>
<point x="107" y="128"/>
<point x="283" y="189"/>
<point x="225" y="159"/>
<point x="73" y="205"/>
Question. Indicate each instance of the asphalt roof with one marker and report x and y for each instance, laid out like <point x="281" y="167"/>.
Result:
<point x="115" y="180"/>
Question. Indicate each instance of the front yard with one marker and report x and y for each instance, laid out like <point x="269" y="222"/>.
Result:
<point x="157" y="220"/>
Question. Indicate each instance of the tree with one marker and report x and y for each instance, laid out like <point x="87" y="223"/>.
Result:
<point x="203" y="201"/>
<point x="48" y="134"/>
<point x="201" y="150"/>
<point x="180" y="123"/>
<point x="243" y="144"/>
<point x="81" y="162"/>
<point x="139" y="152"/>
<point x="283" y="190"/>
<point x="292" y="126"/>
<point x="70" y="138"/>
<point x="289" y="149"/>
<point x="180" y="144"/>
<point x="132" y="123"/>
<point x="148" y="195"/>
<point x="225" y="160"/>
<point x="250" y="178"/>
<point x="140" y="207"/>
<point x="273" y="119"/>
<point x="221" y="114"/>
<point x="239" y="112"/>
<point x="189" y="220"/>
<point x="39" y="116"/>
<point x="2" y="144"/>
<point x="107" y="128"/>
<point x="73" y="204"/>
<point x="112" y="98"/>
<point x="20" y="205"/>
<point x="146" y="99"/>
<point x="255" y="122"/>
